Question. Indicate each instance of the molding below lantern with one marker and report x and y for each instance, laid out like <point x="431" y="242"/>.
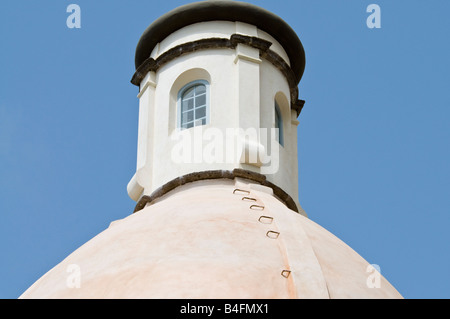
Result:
<point x="217" y="174"/>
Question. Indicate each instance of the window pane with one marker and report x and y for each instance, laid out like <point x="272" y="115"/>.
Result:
<point x="187" y="117"/>
<point x="187" y="105"/>
<point x="188" y="93"/>
<point x="277" y="119"/>
<point x="200" y="100"/>
<point x="279" y="125"/>
<point x="190" y="116"/>
<point x="189" y="125"/>
<point x="200" y="112"/>
<point x="200" y="89"/>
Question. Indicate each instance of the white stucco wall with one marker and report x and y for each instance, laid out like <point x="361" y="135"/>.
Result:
<point x="242" y="91"/>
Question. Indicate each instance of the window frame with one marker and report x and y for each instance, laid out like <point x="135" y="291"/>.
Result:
<point x="181" y="92"/>
<point x="278" y="115"/>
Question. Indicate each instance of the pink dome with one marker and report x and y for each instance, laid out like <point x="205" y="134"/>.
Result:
<point x="207" y="239"/>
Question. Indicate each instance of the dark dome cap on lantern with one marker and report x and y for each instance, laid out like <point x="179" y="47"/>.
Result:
<point x="223" y="10"/>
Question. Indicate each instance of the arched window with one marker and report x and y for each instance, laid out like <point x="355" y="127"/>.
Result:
<point x="193" y="104"/>
<point x="279" y="124"/>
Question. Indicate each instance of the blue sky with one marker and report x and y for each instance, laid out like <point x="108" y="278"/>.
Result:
<point x="373" y="136"/>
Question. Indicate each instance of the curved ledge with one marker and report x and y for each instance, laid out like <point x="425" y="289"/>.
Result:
<point x="262" y="45"/>
<point x="217" y="174"/>
<point x="222" y="10"/>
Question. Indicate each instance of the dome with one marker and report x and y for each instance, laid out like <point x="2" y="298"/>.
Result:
<point x="223" y="238"/>
<point x="223" y="10"/>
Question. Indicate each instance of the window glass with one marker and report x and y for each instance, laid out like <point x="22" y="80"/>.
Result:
<point x="279" y="124"/>
<point x="193" y="104"/>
